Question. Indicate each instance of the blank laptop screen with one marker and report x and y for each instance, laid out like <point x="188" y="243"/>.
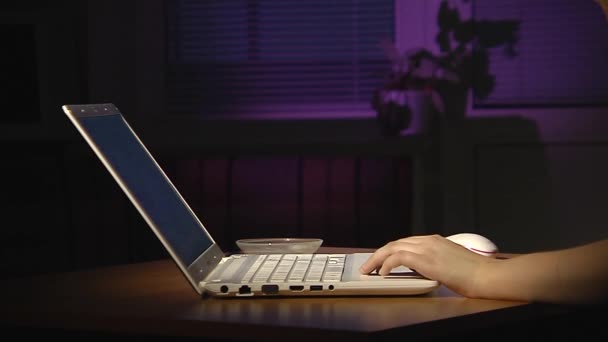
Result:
<point x="147" y="183"/>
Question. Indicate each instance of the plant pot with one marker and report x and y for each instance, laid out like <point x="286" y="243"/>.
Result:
<point x="403" y="112"/>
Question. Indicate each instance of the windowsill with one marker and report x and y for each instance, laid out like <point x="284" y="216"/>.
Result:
<point x="318" y="136"/>
<point x="222" y="137"/>
<point x="288" y="113"/>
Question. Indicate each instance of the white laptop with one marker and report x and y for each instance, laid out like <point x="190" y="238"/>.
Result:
<point x="210" y="270"/>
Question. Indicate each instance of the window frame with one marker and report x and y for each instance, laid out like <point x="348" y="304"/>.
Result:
<point x="478" y="105"/>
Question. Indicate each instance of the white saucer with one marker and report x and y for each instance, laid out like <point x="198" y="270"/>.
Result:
<point x="279" y="245"/>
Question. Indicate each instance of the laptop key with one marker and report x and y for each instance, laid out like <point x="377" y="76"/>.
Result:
<point x="316" y="268"/>
<point x="283" y="269"/>
<point x="253" y="269"/>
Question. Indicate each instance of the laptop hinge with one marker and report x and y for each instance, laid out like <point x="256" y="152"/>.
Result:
<point x="205" y="263"/>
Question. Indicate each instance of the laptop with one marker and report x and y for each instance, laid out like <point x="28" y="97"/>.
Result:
<point x="210" y="270"/>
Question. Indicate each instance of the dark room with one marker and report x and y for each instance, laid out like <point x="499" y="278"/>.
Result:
<point x="152" y="151"/>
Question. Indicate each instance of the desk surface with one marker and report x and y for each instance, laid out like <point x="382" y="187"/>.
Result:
<point x="154" y="298"/>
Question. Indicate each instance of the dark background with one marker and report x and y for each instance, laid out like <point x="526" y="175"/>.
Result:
<point x="530" y="180"/>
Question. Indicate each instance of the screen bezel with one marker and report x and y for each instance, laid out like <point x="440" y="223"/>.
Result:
<point x="196" y="271"/>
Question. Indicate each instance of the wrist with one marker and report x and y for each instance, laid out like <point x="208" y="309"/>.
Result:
<point x="482" y="279"/>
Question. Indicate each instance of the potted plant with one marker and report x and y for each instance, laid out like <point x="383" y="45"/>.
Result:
<point x="409" y="99"/>
<point x="421" y="84"/>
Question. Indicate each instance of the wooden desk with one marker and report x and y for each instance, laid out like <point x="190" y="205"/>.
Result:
<point x="153" y="298"/>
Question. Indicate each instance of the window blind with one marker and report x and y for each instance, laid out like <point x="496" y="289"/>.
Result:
<point x="562" y="53"/>
<point x="288" y="58"/>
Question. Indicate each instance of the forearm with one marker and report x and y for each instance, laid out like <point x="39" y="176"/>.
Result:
<point x="575" y="275"/>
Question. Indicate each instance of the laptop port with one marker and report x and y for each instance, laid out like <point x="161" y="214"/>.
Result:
<point x="297" y="288"/>
<point x="244" y="289"/>
<point x="316" y="287"/>
<point x="270" y="289"/>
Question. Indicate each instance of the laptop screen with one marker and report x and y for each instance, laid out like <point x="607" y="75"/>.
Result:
<point x="152" y="190"/>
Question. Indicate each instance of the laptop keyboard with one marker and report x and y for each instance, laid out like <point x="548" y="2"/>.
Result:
<point x="279" y="268"/>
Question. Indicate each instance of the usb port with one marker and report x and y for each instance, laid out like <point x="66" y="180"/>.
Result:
<point x="316" y="287"/>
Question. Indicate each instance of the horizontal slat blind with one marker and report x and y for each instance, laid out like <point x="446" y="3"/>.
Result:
<point x="262" y="57"/>
<point x="562" y="53"/>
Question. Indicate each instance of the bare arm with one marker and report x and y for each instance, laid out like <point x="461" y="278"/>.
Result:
<point x="574" y="275"/>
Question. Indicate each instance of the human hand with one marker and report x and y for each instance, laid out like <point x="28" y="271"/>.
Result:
<point x="434" y="257"/>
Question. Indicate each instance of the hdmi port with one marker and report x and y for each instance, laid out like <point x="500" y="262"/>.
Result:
<point x="296" y="287"/>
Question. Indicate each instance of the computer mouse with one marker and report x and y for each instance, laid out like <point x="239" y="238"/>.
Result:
<point x="476" y="243"/>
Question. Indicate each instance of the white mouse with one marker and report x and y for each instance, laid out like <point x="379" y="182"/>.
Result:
<point x="476" y="243"/>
